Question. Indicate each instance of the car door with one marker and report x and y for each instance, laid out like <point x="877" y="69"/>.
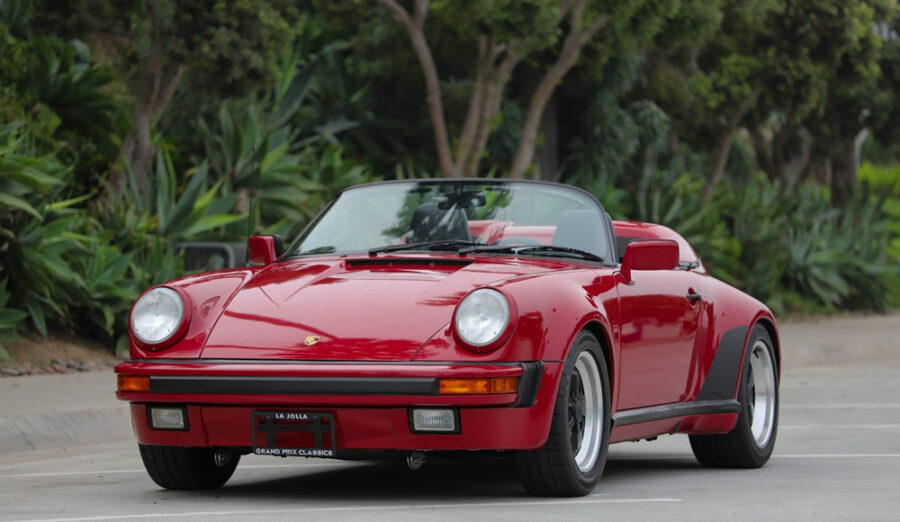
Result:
<point x="659" y="313"/>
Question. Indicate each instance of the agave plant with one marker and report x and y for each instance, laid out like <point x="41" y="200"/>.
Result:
<point x="9" y="320"/>
<point x="64" y="80"/>
<point x="257" y="149"/>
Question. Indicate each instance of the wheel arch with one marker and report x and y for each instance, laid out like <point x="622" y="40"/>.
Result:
<point x="600" y="332"/>
<point x="769" y="325"/>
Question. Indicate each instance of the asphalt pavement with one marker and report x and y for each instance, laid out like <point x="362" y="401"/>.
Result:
<point x="837" y="457"/>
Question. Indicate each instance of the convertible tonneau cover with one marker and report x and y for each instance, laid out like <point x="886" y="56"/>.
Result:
<point x="628" y="231"/>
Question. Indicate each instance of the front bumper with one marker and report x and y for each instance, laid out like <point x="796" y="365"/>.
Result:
<point x="370" y="401"/>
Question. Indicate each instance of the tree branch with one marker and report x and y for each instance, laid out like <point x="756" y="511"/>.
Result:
<point x="497" y="79"/>
<point x="725" y="146"/>
<point x="415" y="28"/>
<point x="164" y="96"/>
<point x="397" y="11"/>
<point x="486" y="55"/>
<point x="421" y="11"/>
<point x="579" y="35"/>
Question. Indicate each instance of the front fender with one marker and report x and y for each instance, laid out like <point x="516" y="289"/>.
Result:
<point x="208" y="295"/>
<point x="552" y="309"/>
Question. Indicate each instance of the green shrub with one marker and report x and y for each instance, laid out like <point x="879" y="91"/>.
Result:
<point x="881" y="178"/>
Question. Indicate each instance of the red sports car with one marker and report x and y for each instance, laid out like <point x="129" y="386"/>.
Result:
<point x="413" y="317"/>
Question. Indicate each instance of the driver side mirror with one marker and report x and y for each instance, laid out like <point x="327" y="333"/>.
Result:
<point x="655" y="254"/>
<point x="264" y="250"/>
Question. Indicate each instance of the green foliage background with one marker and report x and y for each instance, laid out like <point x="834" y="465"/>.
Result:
<point x="325" y="95"/>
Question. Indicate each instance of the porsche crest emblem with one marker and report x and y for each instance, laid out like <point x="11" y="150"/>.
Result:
<point x="311" y="340"/>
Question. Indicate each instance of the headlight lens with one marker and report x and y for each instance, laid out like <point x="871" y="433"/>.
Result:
<point x="157" y="315"/>
<point x="482" y="317"/>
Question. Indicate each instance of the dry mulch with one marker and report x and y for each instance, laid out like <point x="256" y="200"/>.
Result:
<point x="56" y="354"/>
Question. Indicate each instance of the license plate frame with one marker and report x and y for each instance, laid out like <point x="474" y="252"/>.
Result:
<point x="271" y="423"/>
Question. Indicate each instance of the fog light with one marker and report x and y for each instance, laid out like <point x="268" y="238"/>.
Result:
<point x="162" y="418"/>
<point x="434" y="420"/>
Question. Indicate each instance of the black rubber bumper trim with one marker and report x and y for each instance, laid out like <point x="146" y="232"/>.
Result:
<point x="529" y="383"/>
<point x="668" y="411"/>
<point x="294" y="385"/>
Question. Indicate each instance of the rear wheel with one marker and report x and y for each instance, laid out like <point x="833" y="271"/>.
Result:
<point x="750" y="443"/>
<point x="572" y="460"/>
<point x="176" y="467"/>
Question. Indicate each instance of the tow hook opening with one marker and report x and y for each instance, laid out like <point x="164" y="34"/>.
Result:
<point x="415" y="460"/>
<point x="223" y="457"/>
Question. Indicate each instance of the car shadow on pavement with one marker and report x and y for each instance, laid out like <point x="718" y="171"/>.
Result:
<point x="437" y="480"/>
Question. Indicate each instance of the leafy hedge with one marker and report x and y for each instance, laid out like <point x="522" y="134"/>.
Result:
<point x="74" y="254"/>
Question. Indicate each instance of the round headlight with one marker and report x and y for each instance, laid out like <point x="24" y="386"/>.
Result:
<point x="157" y="315"/>
<point x="482" y="317"/>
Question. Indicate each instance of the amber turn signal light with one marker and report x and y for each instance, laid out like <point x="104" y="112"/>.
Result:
<point x="133" y="383"/>
<point x="478" y="386"/>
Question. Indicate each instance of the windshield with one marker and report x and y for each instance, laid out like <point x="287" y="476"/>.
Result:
<point x="457" y="213"/>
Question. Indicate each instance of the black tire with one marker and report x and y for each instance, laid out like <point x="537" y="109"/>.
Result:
<point x="553" y="469"/>
<point x="741" y="448"/>
<point x="176" y="467"/>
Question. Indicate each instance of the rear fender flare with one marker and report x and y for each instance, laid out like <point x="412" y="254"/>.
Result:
<point x="724" y="375"/>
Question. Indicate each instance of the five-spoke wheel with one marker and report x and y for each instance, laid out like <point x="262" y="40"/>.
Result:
<point x="572" y="460"/>
<point x="750" y="443"/>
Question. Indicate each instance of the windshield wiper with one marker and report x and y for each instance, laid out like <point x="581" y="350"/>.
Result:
<point x="429" y="245"/>
<point x="525" y="249"/>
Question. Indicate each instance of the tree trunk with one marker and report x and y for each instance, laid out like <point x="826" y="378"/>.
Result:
<point x="673" y="146"/>
<point x="722" y="154"/>
<point x="725" y="148"/>
<point x="796" y="166"/>
<point x="843" y="174"/>
<point x="496" y="76"/>
<point x="138" y="150"/>
<point x="579" y="35"/>
<point x="761" y="151"/>
<point x="546" y="152"/>
<point x="415" y="27"/>
<point x="157" y="90"/>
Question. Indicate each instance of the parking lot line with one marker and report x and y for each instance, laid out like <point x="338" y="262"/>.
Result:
<point x="614" y="458"/>
<point x="839" y="426"/>
<point x="142" y="470"/>
<point x="305" y="510"/>
<point x="832" y="406"/>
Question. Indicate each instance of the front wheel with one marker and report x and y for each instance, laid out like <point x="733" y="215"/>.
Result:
<point x="572" y="460"/>
<point x="176" y="467"/>
<point x="750" y="443"/>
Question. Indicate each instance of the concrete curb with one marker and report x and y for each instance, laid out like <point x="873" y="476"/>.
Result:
<point x="54" y="430"/>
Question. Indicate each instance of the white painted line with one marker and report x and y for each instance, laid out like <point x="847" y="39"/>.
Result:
<point x="839" y="426"/>
<point x="823" y="456"/>
<point x="841" y="456"/>
<point x="866" y="406"/>
<point x="141" y="470"/>
<point x="299" y="511"/>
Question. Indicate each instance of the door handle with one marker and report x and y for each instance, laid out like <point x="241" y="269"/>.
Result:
<point x="692" y="296"/>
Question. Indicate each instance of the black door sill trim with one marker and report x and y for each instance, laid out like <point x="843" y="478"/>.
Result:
<point x="668" y="411"/>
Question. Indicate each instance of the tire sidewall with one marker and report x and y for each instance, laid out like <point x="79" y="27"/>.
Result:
<point x="585" y="342"/>
<point x="761" y="453"/>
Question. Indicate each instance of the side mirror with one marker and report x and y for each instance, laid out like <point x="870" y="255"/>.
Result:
<point x="264" y="250"/>
<point x="655" y="254"/>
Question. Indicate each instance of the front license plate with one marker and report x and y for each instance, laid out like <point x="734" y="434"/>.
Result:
<point x="293" y="434"/>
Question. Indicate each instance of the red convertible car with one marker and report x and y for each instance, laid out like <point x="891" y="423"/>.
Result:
<point x="414" y="317"/>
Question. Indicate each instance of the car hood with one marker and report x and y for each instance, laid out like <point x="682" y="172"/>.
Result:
<point x="379" y="309"/>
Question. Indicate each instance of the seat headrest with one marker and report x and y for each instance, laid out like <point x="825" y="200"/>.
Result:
<point x="584" y="230"/>
<point x="430" y="223"/>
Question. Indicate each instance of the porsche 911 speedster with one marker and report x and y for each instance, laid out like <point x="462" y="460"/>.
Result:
<point x="413" y="317"/>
